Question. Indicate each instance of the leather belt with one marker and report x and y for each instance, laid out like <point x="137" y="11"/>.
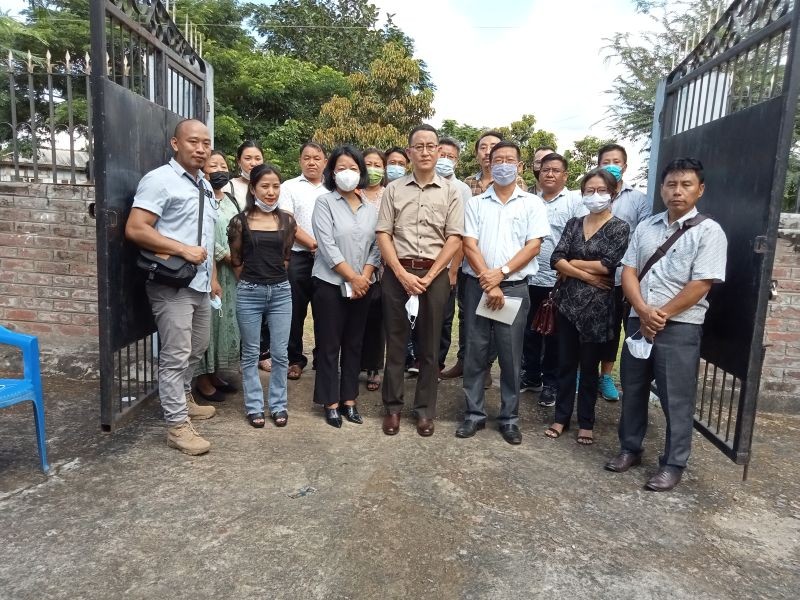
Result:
<point x="416" y="263"/>
<point x="506" y="284"/>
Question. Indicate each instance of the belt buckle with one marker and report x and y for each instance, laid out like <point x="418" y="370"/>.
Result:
<point x="414" y="263"/>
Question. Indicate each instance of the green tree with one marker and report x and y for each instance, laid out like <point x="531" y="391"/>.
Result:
<point x="582" y="157"/>
<point x="385" y="103"/>
<point x="342" y="34"/>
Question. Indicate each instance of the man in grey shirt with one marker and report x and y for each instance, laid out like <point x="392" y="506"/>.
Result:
<point x="669" y="307"/>
<point x="164" y="220"/>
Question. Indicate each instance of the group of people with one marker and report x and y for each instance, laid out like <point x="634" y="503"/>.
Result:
<point x="384" y="245"/>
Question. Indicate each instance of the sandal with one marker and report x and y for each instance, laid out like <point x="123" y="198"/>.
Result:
<point x="294" y="372"/>
<point x="281" y="418"/>
<point x="373" y="381"/>
<point x="265" y="365"/>
<point x="256" y="419"/>
<point x="554" y="433"/>
<point x="585" y="440"/>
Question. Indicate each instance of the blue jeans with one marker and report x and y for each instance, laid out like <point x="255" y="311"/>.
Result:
<point x="255" y="301"/>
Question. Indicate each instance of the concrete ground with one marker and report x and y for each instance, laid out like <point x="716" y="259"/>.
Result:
<point x="313" y="512"/>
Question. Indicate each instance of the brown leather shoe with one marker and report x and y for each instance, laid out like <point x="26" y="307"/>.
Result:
<point x="391" y="423"/>
<point x="294" y="372"/>
<point x="664" y="480"/>
<point x="457" y="370"/>
<point x="425" y="427"/>
<point x="623" y="461"/>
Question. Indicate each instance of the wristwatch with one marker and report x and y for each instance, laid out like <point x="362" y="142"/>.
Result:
<point x="505" y="271"/>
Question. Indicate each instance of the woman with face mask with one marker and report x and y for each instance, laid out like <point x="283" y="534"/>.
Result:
<point x="260" y="239"/>
<point x="223" y="347"/>
<point x="248" y="155"/>
<point x="374" y="345"/>
<point x="586" y="256"/>
<point x="344" y="271"/>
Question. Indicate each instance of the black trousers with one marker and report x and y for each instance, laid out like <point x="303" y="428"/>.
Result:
<point x="608" y="352"/>
<point x="300" y="266"/>
<point x="457" y="298"/>
<point x="572" y="355"/>
<point x="339" y="337"/>
<point x="374" y="345"/>
<point x="673" y="363"/>
<point x="540" y="353"/>
<point x="428" y="329"/>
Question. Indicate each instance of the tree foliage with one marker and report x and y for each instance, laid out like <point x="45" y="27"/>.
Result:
<point x="384" y="104"/>
<point x="582" y="158"/>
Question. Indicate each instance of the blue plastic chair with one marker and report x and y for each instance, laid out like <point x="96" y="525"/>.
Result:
<point x="14" y="391"/>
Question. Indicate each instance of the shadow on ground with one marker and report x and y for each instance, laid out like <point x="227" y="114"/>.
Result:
<point x="313" y="512"/>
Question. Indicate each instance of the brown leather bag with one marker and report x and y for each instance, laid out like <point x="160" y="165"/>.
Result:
<point x="544" y="321"/>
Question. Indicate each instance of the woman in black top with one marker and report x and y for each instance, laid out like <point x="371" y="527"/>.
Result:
<point x="586" y="256"/>
<point x="260" y="240"/>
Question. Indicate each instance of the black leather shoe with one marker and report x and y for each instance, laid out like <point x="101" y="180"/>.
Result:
<point x="663" y="481"/>
<point x="623" y="461"/>
<point x="350" y="413"/>
<point x="217" y="396"/>
<point x="511" y="434"/>
<point x="333" y="418"/>
<point x="469" y="427"/>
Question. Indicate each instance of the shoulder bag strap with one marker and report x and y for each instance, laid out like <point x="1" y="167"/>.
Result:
<point x="235" y="201"/>
<point x="202" y="206"/>
<point x="663" y="248"/>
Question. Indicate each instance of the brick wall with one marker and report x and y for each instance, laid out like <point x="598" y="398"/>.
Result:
<point x="48" y="268"/>
<point x="780" y="382"/>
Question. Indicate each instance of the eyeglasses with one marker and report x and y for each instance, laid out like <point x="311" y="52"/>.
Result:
<point x="508" y="161"/>
<point x="420" y="148"/>
<point x="552" y="170"/>
<point x="590" y="191"/>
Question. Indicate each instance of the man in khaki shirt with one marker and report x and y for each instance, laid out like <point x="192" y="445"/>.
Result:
<point x="419" y="229"/>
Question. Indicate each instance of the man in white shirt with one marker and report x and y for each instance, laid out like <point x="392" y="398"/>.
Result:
<point x="540" y="354"/>
<point x="503" y="232"/>
<point x="299" y="196"/>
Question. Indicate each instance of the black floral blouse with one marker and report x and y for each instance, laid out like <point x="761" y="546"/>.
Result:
<point x="589" y="308"/>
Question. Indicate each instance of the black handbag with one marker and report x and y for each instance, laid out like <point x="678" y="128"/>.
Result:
<point x="172" y="271"/>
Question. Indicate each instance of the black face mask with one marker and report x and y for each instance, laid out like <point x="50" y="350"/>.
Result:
<point x="219" y="179"/>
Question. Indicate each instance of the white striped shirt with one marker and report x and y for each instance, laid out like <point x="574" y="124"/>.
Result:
<point x="700" y="253"/>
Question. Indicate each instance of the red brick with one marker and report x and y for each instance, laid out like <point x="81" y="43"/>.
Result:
<point x="44" y="316"/>
<point x="12" y="239"/>
<point x="32" y="203"/>
<point x="6" y="226"/>
<point x="70" y="281"/>
<point x="35" y="279"/>
<point x="90" y="295"/>
<point x="87" y="320"/>
<point x="36" y="303"/>
<point x="76" y="331"/>
<point x="89" y="245"/>
<point x="83" y="269"/>
<point x="70" y="231"/>
<point x="8" y="252"/>
<point x="781" y="361"/>
<point x="36" y="253"/>
<point x="14" y="214"/>
<point x="15" y="264"/>
<point x="57" y="268"/>
<point x="21" y="315"/>
<point x="784" y="337"/>
<point x="64" y="191"/>
<point x="37" y="228"/>
<point x="70" y="255"/>
<point x="74" y="205"/>
<point x="9" y="301"/>
<point x="8" y="276"/>
<point x="78" y="218"/>
<point x="47" y="242"/>
<point x="793" y="349"/>
<point x="33" y="328"/>
<point x="71" y="306"/>
<point x="42" y="216"/>
<point x="788" y="285"/>
<point x="16" y="289"/>
<point x="51" y="292"/>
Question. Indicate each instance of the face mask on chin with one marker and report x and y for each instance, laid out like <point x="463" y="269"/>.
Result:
<point x="264" y="207"/>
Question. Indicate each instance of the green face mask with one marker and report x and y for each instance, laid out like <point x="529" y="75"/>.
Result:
<point x="374" y="175"/>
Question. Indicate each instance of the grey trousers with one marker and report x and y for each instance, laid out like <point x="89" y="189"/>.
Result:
<point x="183" y="319"/>
<point x="508" y="341"/>
<point x="673" y="363"/>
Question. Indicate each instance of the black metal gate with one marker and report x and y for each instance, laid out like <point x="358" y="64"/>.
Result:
<point x="731" y="103"/>
<point x="150" y="79"/>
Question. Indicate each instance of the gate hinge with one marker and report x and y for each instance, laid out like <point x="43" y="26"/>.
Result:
<point x="760" y="244"/>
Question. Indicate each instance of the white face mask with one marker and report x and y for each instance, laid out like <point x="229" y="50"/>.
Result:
<point x="597" y="203"/>
<point x="263" y="206"/>
<point x="244" y="174"/>
<point x="347" y="180"/>
<point x="216" y="303"/>
<point x="412" y="309"/>
<point x="639" y="348"/>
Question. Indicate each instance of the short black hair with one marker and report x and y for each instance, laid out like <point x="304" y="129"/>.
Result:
<point x="448" y="141"/>
<point x="605" y="175"/>
<point x="612" y="148"/>
<point x="328" y="174"/>
<point x="491" y="132"/>
<point x="505" y="144"/>
<point x="540" y="148"/>
<point x="244" y="146"/>
<point x="422" y="127"/>
<point x="684" y="164"/>
<point x="372" y="150"/>
<point x="313" y="145"/>
<point x="396" y="150"/>
<point x="555" y="156"/>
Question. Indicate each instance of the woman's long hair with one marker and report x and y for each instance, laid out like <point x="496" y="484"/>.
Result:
<point x="286" y="222"/>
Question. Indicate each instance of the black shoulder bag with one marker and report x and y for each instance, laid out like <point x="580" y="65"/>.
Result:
<point x="173" y="271"/>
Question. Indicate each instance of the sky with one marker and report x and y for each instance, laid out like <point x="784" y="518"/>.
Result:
<point x="493" y="61"/>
